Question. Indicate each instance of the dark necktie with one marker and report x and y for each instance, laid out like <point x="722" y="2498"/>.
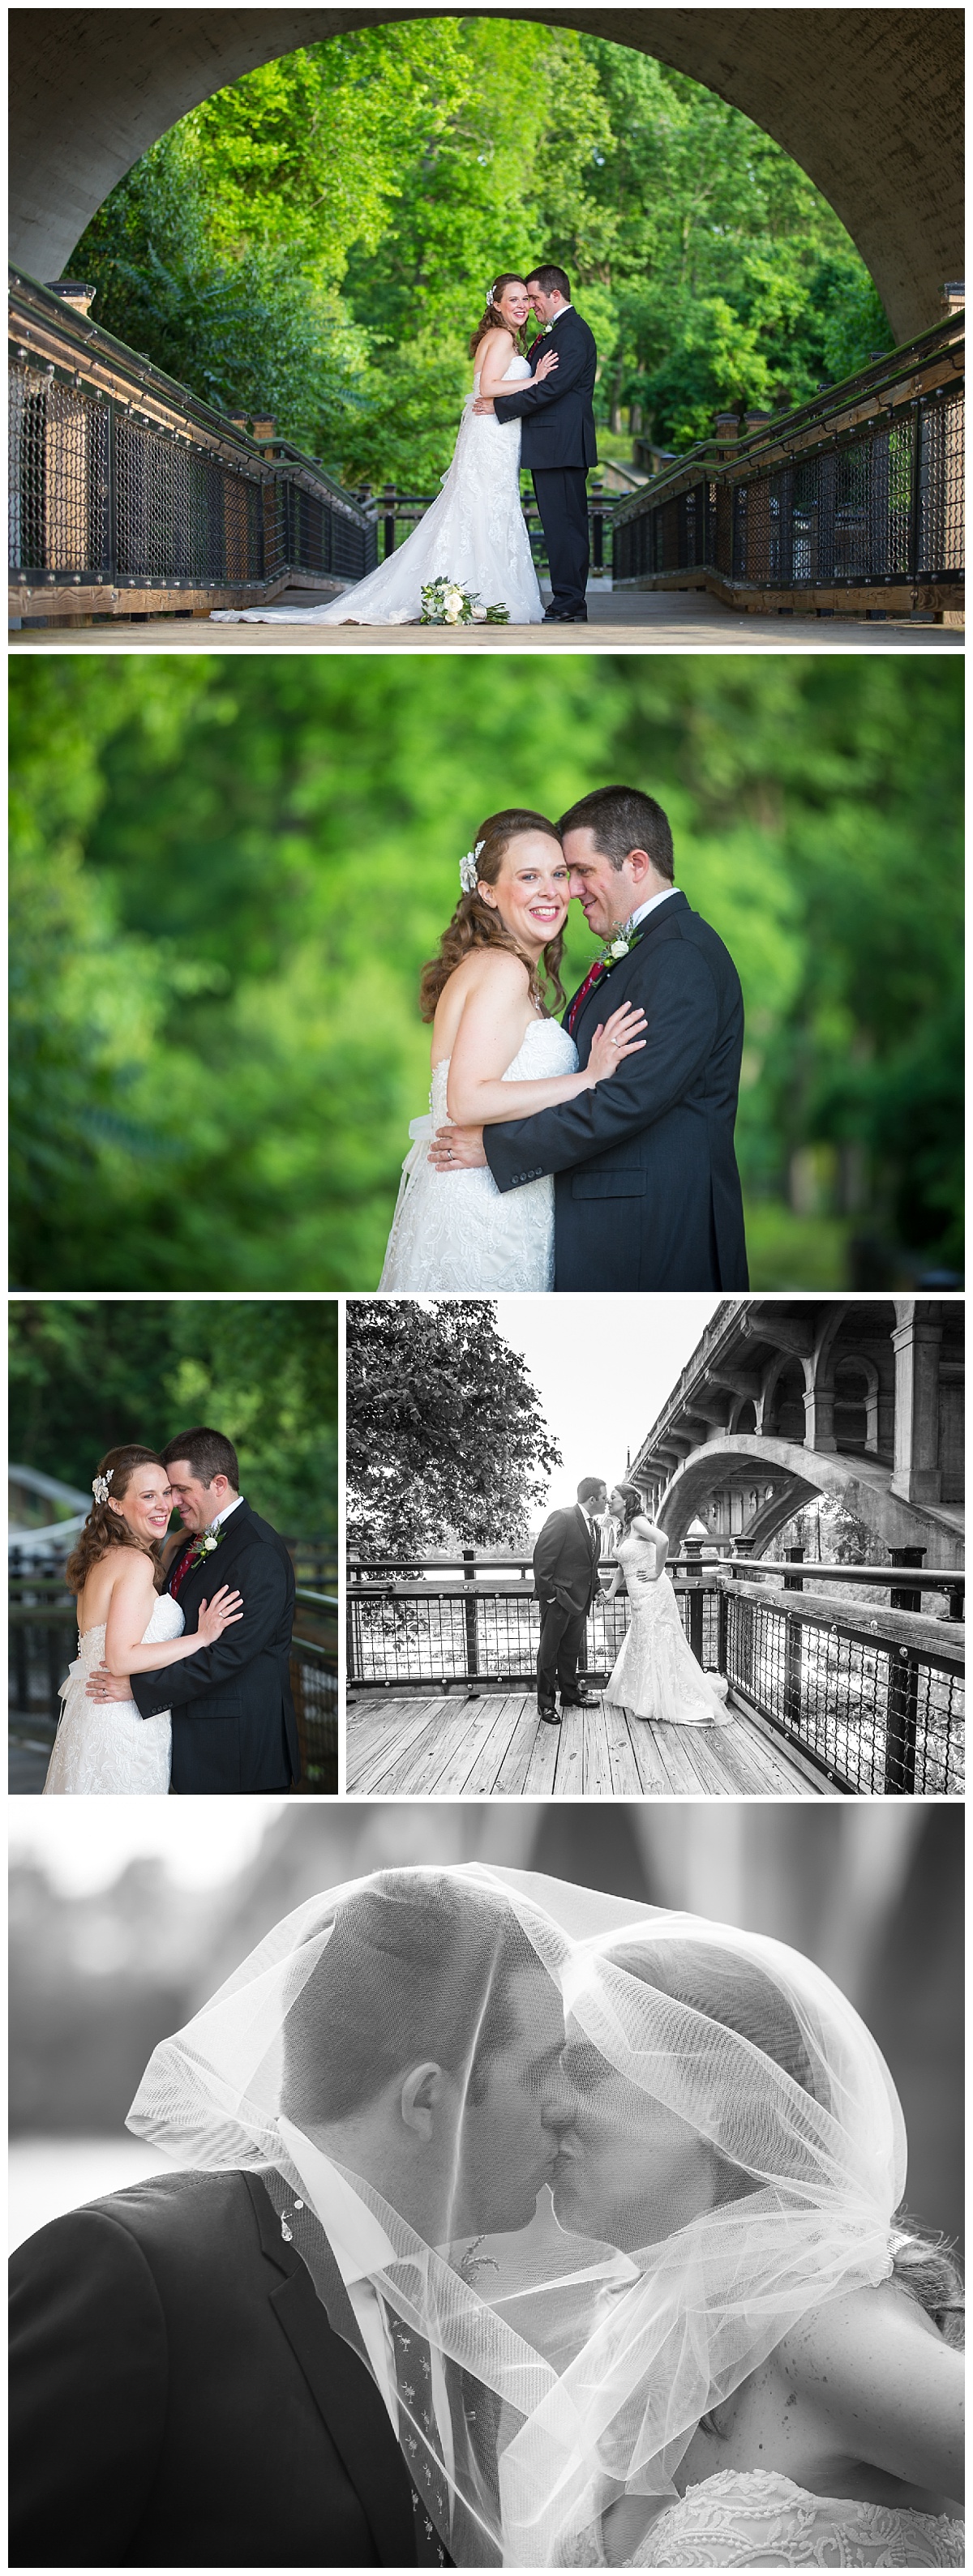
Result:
<point x="419" y="2440"/>
<point x="181" y="1568"/>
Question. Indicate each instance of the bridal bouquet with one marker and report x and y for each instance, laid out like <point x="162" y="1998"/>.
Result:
<point x="445" y="604"/>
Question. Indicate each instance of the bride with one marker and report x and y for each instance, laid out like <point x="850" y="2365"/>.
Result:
<point x="656" y="1675"/>
<point x="126" y="1621"/>
<point x="776" y="2387"/>
<point x="474" y="532"/>
<point x="496" y="1055"/>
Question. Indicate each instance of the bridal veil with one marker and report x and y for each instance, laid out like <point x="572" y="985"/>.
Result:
<point x="571" y="2348"/>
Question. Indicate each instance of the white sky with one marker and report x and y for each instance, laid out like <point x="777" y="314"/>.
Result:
<point x="603" y="1367"/>
<point x="201" y="1840"/>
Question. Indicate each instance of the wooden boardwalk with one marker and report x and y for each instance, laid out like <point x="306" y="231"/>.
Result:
<point x="496" y="1746"/>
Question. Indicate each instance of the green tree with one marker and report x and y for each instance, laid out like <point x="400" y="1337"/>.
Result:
<point x="87" y="1374"/>
<point x="445" y="1431"/>
<point x="317" y="239"/>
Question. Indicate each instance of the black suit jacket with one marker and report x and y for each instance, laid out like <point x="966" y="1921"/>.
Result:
<point x="566" y="1561"/>
<point x="647" y="1192"/>
<point x="558" y="421"/>
<point x="234" y="1730"/>
<point x="180" y="2397"/>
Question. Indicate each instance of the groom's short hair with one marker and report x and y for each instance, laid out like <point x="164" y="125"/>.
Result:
<point x="589" y="1487"/>
<point x="416" y="1967"/>
<point x="621" y="819"/>
<point x="552" y="281"/>
<point x="208" y="1453"/>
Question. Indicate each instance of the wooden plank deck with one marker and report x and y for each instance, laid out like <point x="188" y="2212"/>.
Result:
<point x="496" y="1746"/>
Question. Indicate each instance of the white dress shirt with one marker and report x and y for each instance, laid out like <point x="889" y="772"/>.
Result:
<point x="645" y="908"/>
<point x="360" y="2247"/>
<point x="225" y="1513"/>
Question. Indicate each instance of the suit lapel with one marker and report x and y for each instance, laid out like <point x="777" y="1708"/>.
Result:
<point x="676" y="903"/>
<point x="346" y="2397"/>
<point x="205" y="1577"/>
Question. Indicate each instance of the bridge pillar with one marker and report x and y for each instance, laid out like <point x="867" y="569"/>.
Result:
<point x="819" y="1417"/>
<point x="917" y="1476"/>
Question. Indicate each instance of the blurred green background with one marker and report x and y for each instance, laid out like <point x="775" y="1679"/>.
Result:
<point x="226" y="876"/>
<point x="87" y="1374"/>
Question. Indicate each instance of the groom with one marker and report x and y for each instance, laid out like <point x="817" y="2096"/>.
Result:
<point x="202" y="2377"/>
<point x="234" y="1731"/>
<point x="566" y="1583"/>
<point x="647" y="1192"/>
<point x="558" y="438"/>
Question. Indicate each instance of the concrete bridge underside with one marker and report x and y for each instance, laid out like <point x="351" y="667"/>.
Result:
<point x="867" y="101"/>
<point x="776" y="1478"/>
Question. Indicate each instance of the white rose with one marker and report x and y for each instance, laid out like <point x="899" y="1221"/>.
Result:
<point x="209" y="1544"/>
<point x="619" y="948"/>
<point x="454" y="599"/>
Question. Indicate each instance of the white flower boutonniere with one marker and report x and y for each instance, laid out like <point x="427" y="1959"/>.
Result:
<point x="208" y="1540"/>
<point x="620" y="943"/>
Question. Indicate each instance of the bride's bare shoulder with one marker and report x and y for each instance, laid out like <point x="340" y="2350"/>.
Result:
<point x="496" y="968"/>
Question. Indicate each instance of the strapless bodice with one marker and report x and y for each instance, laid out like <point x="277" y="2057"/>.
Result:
<point x="756" y="2518"/>
<point x="516" y="374"/>
<point x="546" y="1049"/>
<point x="166" y="1621"/>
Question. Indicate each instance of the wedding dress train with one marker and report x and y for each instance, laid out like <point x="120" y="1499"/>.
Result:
<point x="103" y="1748"/>
<point x="656" y="1674"/>
<point x="473" y="533"/>
<point x="456" y="1229"/>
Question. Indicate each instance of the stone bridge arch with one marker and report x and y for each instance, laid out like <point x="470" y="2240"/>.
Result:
<point x="747" y="1488"/>
<point x="867" y="101"/>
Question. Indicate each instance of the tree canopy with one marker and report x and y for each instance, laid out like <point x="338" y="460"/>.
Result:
<point x="87" y="1374"/>
<point x="445" y="1432"/>
<point x="317" y="240"/>
<point x="226" y="874"/>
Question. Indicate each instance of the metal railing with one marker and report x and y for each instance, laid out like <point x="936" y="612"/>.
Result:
<point x="874" y="1702"/>
<point x="43" y="1639"/>
<point x="129" y="496"/>
<point x="853" y="501"/>
<point x="403" y="510"/>
<point x="314" y="1683"/>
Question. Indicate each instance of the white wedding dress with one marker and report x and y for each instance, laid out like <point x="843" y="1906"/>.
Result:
<point x="103" y="1748"/>
<point x="756" y="2518"/>
<point x="473" y="532"/>
<point x="456" y="1229"/>
<point x="657" y="1675"/>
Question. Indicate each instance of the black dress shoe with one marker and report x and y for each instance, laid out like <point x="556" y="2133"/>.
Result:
<point x="549" y="1714"/>
<point x="580" y="1699"/>
<point x="565" y="617"/>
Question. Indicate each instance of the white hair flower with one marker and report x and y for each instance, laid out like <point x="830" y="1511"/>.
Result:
<point x="101" y="1487"/>
<point x="469" y="869"/>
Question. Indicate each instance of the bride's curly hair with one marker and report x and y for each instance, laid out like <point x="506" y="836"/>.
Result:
<point x="632" y="1500"/>
<point x="492" y="318"/>
<point x="476" y="924"/>
<point x="104" y="1528"/>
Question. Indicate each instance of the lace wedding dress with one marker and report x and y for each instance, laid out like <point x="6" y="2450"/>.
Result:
<point x="754" y="2518"/>
<point x="456" y="1229"/>
<point x="657" y="1675"/>
<point x="474" y="532"/>
<point x="104" y="1749"/>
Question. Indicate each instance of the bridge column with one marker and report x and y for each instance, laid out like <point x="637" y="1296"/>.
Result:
<point x="819" y="1417"/>
<point x="917" y="1476"/>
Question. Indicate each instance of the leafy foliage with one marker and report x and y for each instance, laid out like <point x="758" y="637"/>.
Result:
<point x="86" y="1374"/>
<point x="445" y="1431"/>
<point x="227" y="873"/>
<point x="317" y="240"/>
